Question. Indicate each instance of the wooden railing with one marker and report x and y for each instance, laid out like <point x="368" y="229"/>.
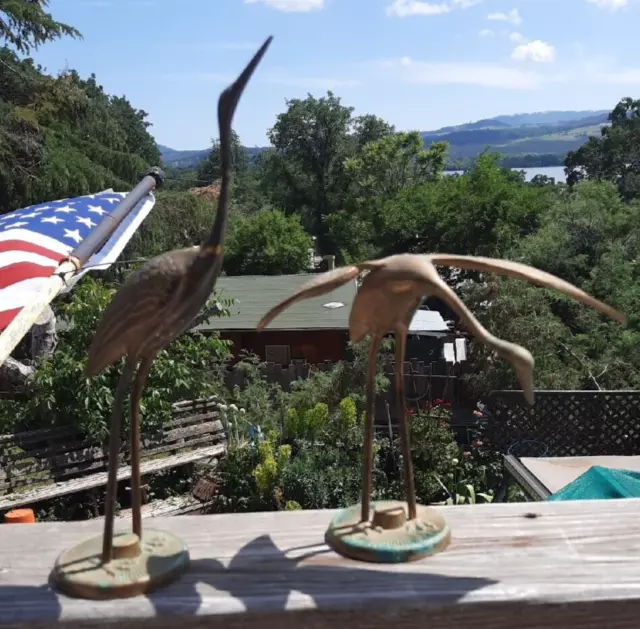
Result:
<point x="545" y="565"/>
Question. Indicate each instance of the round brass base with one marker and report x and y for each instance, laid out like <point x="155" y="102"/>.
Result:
<point x="389" y="537"/>
<point x="138" y="566"/>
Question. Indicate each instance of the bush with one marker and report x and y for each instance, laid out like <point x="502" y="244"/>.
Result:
<point x="61" y="395"/>
<point x="314" y="458"/>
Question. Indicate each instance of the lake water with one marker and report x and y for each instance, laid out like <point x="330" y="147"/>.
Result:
<point x="557" y="172"/>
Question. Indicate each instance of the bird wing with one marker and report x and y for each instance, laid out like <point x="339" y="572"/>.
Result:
<point x="519" y="357"/>
<point x="319" y="285"/>
<point x="524" y="272"/>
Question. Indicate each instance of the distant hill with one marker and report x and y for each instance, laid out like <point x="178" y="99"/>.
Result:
<point x="541" y="138"/>
<point x="549" y="117"/>
<point x="181" y="159"/>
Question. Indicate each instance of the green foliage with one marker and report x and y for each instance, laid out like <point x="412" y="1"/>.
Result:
<point x="61" y="395"/>
<point x="178" y="220"/>
<point x="314" y="458"/>
<point x="267" y="243"/>
<point x="25" y="24"/>
<point x="63" y="136"/>
<point x="615" y="155"/>
<point x="209" y="169"/>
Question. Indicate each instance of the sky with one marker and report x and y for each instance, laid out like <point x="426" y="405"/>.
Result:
<point x="417" y="64"/>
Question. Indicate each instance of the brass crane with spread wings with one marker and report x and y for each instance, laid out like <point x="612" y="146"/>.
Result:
<point x="386" y="302"/>
<point x="156" y="304"/>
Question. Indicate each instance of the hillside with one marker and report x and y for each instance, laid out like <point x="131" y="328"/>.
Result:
<point x="541" y="138"/>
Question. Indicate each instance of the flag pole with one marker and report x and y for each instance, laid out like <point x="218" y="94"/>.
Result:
<point x="24" y="320"/>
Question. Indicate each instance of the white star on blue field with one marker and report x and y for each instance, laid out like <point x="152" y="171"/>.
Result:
<point x="68" y="221"/>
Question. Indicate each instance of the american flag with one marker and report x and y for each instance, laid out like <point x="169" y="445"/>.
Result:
<point x="34" y="240"/>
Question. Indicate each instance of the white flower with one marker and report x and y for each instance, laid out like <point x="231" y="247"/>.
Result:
<point x="233" y="407"/>
<point x="242" y="411"/>
<point x="222" y="407"/>
<point x="455" y="461"/>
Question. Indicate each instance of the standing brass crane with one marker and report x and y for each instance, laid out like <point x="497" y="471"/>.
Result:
<point x="154" y="306"/>
<point x="389" y="296"/>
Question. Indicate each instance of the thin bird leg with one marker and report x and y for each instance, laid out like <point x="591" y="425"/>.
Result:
<point x="367" y="470"/>
<point x="401" y="339"/>
<point x="114" y="447"/>
<point x="136" y="494"/>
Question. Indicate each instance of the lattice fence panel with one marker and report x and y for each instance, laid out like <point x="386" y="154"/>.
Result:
<point x="566" y="423"/>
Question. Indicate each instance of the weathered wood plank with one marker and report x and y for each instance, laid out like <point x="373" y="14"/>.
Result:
<point x="97" y="480"/>
<point x="61" y="462"/>
<point x="574" y="565"/>
<point x="175" y="505"/>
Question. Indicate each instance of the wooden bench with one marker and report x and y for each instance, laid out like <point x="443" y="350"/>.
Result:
<point x="49" y="463"/>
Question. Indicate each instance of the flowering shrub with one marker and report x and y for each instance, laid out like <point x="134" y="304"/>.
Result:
<point x="311" y="456"/>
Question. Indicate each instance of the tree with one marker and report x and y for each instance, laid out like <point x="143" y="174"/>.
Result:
<point x="25" y="24"/>
<point x="134" y="124"/>
<point x="378" y="173"/>
<point x="311" y="141"/>
<point x="615" y="156"/>
<point x="395" y="162"/>
<point x="370" y="128"/>
<point x="267" y="243"/>
<point x="64" y="136"/>
<point x="209" y="168"/>
<point x="589" y="239"/>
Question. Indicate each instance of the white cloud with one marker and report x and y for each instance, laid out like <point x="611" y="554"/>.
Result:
<point x="406" y="8"/>
<point x="486" y="32"/>
<point x="537" y="51"/>
<point x="512" y="16"/>
<point x="517" y="38"/>
<point x="609" y="5"/>
<point x="460" y="73"/>
<point x="291" y="6"/>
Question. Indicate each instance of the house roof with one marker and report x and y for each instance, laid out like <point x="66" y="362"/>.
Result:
<point x="255" y="294"/>
<point x="428" y="323"/>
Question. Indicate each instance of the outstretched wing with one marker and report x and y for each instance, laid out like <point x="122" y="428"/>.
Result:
<point x="319" y="285"/>
<point x="524" y="272"/>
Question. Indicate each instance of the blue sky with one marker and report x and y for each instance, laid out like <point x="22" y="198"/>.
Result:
<point x="417" y="64"/>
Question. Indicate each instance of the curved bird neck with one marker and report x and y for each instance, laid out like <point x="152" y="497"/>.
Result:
<point x="215" y="239"/>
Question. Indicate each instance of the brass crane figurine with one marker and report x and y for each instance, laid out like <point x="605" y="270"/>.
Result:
<point x="156" y="304"/>
<point x="386" y="302"/>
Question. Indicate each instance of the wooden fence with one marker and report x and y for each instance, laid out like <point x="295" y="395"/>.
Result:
<point x="565" y="423"/>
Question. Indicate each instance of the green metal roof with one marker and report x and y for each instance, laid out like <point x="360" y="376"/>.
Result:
<point x="255" y="294"/>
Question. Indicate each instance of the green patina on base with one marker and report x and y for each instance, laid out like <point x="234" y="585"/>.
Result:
<point x="151" y="562"/>
<point x="363" y="541"/>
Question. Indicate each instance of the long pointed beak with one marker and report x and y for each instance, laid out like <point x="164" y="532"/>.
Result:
<point x="230" y="97"/>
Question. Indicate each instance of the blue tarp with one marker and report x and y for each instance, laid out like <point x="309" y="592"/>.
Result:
<point x="601" y="483"/>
